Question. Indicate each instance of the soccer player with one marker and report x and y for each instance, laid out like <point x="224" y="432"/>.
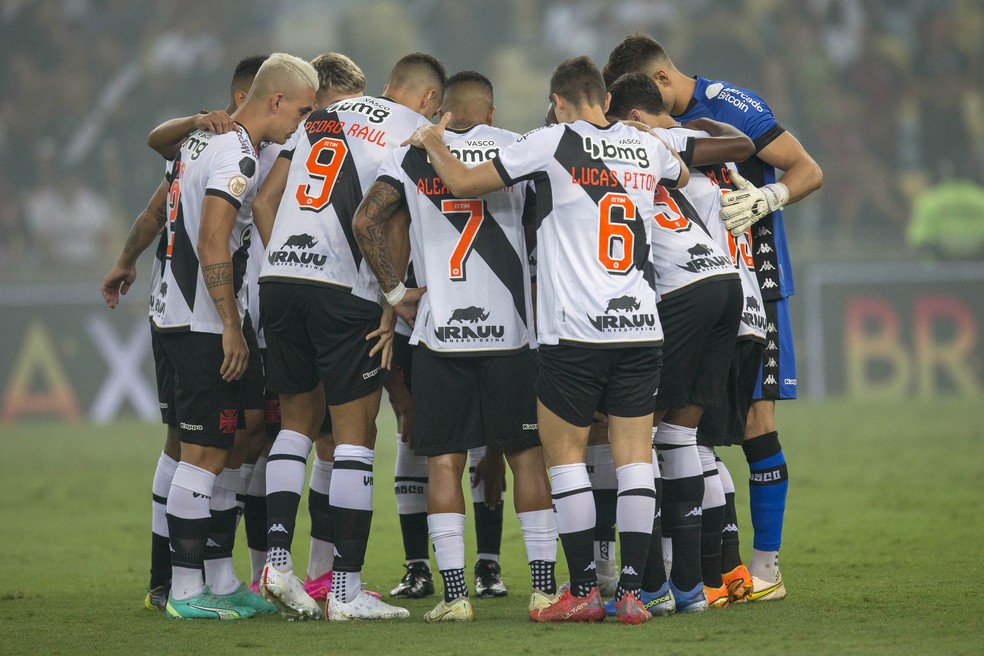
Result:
<point x="167" y="139"/>
<point x="200" y="318"/>
<point x="322" y="338"/>
<point x="339" y="78"/>
<point x="474" y="370"/>
<point x="597" y="325"/>
<point x="689" y="98"/>
<point x="635" y="96"/>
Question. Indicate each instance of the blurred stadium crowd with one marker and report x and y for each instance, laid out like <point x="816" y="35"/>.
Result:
<point x="887" y="95"/>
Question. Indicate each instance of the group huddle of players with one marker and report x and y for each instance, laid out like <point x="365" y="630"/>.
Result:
<point x="596" y="303"/>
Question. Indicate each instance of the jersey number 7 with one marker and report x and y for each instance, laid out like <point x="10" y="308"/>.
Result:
<point x="476" y="214"/>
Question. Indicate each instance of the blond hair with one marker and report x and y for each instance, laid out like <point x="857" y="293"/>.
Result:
<point x="339" y="73"/>
<point x="282" y="71"/>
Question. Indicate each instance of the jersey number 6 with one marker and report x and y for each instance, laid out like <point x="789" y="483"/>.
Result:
<point x="614" y="234"/>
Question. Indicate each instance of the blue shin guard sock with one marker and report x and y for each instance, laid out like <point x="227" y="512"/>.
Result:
<point x="767" y="486"/>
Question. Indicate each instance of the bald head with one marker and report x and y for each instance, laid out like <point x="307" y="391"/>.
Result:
<point x="468" y="96"/>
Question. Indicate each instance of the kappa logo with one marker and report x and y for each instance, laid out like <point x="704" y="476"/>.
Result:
<point x="767" y="266"/>
<point x="622" y="304"/>
<point x="762" y="231"/>
<point x="278" y="528"/>
<point x="694" y="512"/>
<point x="590" y="567"/>
<point x="770" y="380"/>
<point x="370" y="374"/>
<point x="630" y="570"/>
<point x="771" y="346"/>
<point x="212" y="543"/>
<point x="602" y="148"/>
<point x="190" y="427"/>
<point x="764" y="248"/>
<point x="772" y="363"/>
<point x="752" y="303"/>
<point x="771" y="327"/>
<point x="730" y="528"/>
<point x="770" y="284"/>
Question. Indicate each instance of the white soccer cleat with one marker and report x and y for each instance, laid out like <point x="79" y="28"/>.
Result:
<point x="363" y="607"/>
<point x="763" y="590"/>
<point x="286" y="592"/>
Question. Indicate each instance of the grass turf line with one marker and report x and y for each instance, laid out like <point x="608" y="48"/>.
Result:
<point x="881" y="539"/>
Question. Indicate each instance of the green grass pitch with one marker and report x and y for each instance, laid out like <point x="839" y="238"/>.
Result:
<point x="882" y="551"/>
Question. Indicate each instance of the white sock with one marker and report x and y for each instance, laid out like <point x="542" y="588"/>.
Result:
<point x="187" y="500"/>
<point x="539" y="534"/>
<point x="447" y="532"/>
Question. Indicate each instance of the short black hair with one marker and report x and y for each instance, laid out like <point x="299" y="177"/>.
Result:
<point x="246" y="70"/>
<point x="471" y="78"/>
<point x="578" y="81"/>
<point x="635" y="91"/>
<point x="419" y="62"/>
<point x="633" y="55"/>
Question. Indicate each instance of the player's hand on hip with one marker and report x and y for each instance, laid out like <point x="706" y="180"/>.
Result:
<point x="407" y="307"/>
<point x="747" y="203"/>
<point x="235" y="354"/>
<point x="117" y="282"/>
<point x="218" y="122"/>
<point x="384" y="336"/>
<point x="424" y="132"/>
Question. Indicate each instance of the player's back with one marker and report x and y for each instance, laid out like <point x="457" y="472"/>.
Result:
<point x="469" y="253"/>
<point x="684" y="253"/>
<point x="594" y="191"/>
<point x="208" y="164"/>
<point x="747" y="111"/>
<point x="335" y="159"/>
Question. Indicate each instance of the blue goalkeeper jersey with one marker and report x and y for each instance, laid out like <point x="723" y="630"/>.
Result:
<point x="744" y="109"/>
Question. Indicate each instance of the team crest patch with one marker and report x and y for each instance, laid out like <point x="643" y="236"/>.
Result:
<point x="228" y="421"/>
<point x="237" y="185"/>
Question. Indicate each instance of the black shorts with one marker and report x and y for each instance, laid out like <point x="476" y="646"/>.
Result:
<point x="725" y="425"/>
<point x="467" y="401"/>
<point x="317" y="333"/>
<point x="403" y="359"/>
<point x="165" y="379"/>
<point x="700" y="327"/>
<point x="574" y="381"/>
<point x="208" y="410"/>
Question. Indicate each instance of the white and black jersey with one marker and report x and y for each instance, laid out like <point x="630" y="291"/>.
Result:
<point x="269" y="153"/>
<point x="684" y="252"/>
<point x="596" y="286"/>
<point x="706" y="186"/>
<point x="208" y="165"/>
<point x="470" y="253"/>
<point x="334" y="159"/>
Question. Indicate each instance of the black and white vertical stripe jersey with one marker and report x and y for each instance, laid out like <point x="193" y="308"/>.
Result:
<point x="208" y="164"/>
<point x="683" y="251"/>
<point x="594" y="185"/>
<point x="334" y="161"/>
<point x="470" y="253"/>
<point x="707" y="184"/>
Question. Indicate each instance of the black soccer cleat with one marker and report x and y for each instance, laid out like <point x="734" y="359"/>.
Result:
<point x="417" y="583"/>
<point x="156" y="598"/>
<point x="488" y="579"/>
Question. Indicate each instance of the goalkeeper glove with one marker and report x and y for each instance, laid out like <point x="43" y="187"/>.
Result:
<point x="747" y="204"/>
